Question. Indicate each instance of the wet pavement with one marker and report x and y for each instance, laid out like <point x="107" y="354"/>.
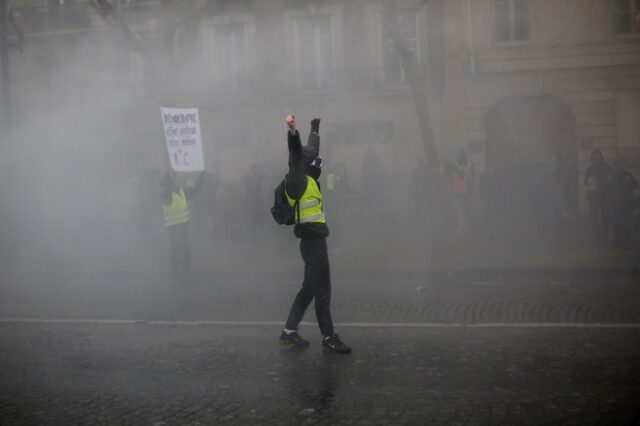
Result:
<point x="172" y="374"/>
<point x="452" y="349"/>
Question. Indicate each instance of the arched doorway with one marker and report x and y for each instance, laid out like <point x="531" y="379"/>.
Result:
<point x="531" y="157"/>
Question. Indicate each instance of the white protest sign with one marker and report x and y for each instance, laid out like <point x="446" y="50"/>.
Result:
<point x="184" y="140"/>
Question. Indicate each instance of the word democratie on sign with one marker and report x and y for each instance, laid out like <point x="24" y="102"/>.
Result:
<point x="184" y="138"/>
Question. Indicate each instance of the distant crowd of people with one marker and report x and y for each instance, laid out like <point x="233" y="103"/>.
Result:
<point x="611" y="195"/>
<point x="512" y="200"/>
<point x="521" y="200"/>
<point x="515" y="200"/>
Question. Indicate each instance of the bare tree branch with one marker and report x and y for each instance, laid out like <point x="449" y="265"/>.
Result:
<point x="158" y="51"/>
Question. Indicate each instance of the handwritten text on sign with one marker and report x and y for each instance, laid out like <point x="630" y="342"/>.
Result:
<point x="184" y="140"/>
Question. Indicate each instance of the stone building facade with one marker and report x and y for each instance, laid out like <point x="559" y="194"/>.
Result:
<point x="507" y="79"/>
<point x="578" y="59"/>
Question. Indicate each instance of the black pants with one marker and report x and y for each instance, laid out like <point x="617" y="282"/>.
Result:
<point x="179" y="253"/>
<point x="316" y="285"/>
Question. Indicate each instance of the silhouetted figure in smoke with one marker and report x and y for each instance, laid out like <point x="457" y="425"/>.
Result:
<point x="459" y="187"/>
<point x="302" y="187"/>
<point x="596" y="179"/>
<point x="620" y="199"/>
<point x="175" y="205"/>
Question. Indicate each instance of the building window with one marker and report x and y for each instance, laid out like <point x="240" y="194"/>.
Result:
<point x="389" y="60"/>
<point x="626" y="19"/>
<point x="512" y="20"/>
<point x="55" y="15"/>
<point x="229" y="56"/>
<point x="314" y="51"/>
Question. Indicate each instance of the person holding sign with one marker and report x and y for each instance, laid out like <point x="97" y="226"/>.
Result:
<point x="175" y="205"/>
<point x="302" y="187"/>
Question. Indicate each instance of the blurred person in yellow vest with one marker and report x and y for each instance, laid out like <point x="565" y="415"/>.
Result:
<point x="175" y="206"/>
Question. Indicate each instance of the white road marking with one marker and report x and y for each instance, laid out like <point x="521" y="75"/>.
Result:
<point x="342" y="324"/>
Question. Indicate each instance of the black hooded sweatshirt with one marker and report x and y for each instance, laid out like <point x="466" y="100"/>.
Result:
<point x="300" y="159"/>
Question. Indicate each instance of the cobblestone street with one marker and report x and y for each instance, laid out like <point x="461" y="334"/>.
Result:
<point x="455" y="351"/>
<point x="447" y="190"/>
<point x="163" y="374"/>
<point x="464" y="299"/>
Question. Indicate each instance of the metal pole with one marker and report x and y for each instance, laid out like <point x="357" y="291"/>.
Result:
<point x="5" y="102"/>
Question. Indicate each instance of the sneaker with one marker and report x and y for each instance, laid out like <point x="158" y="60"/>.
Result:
<point x="293" y="339"/>
<point x="334" y="344"/>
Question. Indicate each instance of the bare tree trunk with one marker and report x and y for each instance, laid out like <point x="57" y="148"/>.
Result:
<point x="435" y="192"/>
<point x="417" y="79"/>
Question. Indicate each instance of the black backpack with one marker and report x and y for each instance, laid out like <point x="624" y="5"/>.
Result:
<point x="282" y="212"/>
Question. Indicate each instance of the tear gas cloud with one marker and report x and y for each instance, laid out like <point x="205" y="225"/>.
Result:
<point x="82" y="216"/>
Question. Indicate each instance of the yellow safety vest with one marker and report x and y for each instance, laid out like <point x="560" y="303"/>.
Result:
<point x="178" y="211"/>
<point x="310" y="203"/>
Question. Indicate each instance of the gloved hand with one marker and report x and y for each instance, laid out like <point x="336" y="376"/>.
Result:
<point x="315" y="125"/>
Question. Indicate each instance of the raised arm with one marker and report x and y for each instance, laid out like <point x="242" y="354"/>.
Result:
<point x="312" y="150"/>
<point x="296" y="178"/>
